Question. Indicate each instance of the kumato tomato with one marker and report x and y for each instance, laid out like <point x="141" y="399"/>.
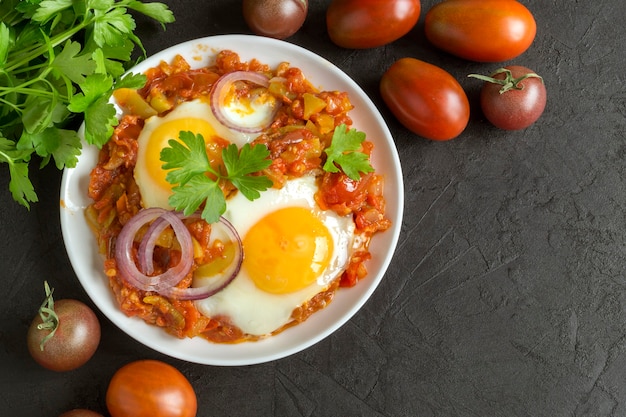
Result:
<point x="513" y="97"/>
<point x="426" y="99"/>
<point x="275" y="18"/>
<point x="65" y="334"/>
<point x="150" y="388"/>
<point x="360" y="24"/>
<point x="481" y="30"/>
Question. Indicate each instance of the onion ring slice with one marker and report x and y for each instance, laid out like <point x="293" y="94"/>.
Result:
<point x="267" y="109"/>
<point x="165" y="283"/>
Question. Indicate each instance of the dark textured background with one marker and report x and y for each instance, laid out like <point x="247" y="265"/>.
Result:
<point x="506" y="297"/>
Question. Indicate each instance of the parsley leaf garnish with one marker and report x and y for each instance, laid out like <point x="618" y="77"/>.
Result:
<point x="61" y="59"/>
<point x="344" y="153"/>
<point x="188" y="166"/>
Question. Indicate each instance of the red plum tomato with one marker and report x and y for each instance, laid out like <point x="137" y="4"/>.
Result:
<point x="426" y="99"/>
<point x="360" y="24"/>
<point x="65" y="334"/>
<point x="513" y="97"/>
<point x="481" y="30"/>
<point x="80" y="412"/>
<point x="275" y="18"/>
<point x="150" y="388"/>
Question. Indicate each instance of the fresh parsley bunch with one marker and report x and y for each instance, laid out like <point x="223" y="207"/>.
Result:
<point x="60" y="59"/>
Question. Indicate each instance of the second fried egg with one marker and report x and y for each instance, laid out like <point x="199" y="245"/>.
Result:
<point x="293" y="250"/>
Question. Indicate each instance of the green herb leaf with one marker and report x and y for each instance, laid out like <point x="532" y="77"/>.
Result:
<point x="240" y="164"/>
<point x="186" y="160"/>
<point x="72" y="65"/>
<point x="20" y="186"/>
<point x="113" y="27"/>
<point x="344" y="153"/>
<point x="62" y="144"/>
<point x="199" y="189"/>
<point x="131" y="80"/>
<point x="188" y="165"/>
<point x="5" y="41"/>
<point x="49" y="9"/>
<point x="157" y="11"/>
<point x="100" y="121"/>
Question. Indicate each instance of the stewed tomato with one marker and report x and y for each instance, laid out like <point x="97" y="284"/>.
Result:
<point x="359" y="24"/>
<point x="481" y="30"/>
<point x="426" y="99"/>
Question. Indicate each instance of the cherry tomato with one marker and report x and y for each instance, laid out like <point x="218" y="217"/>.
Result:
<point x="425" y="99"/>
<point x="362" y="24"/>
<point x="481" y="30"/>
<point x="275" y="18"/>
<point x="150" y="388"/>
<point x="65" y="335"/>
<point x="80" y="412"/>
<point x="513" y="97"/>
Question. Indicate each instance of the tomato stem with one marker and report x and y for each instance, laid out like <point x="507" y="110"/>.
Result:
<point x="50" y="320"/>
<point x="508" y="82"/>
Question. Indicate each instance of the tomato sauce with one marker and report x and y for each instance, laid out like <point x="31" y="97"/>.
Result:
<point x="296" y="146"/>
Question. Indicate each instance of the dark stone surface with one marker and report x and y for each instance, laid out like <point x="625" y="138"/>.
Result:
<point x="507" y="293"/>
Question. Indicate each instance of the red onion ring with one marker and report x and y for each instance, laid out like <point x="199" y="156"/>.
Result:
<point x="146" y="247"/>
<point x="205" y="291"/>
<point x="165" y="283"/>
<point x="221" y="88"/>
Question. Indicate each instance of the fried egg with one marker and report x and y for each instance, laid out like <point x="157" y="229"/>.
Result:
<point x="195" y="116"/>
<point x="293" y="250"/>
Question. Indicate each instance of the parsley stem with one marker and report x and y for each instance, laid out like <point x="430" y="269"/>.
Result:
<point x="25" y="88"/>
<point x="11" y="17"/>
<point x="29" y="91"/>
<point x="31" y="68"/>
<point x="42" y="49"/>
<point x="9" y="103"/>
<point x="5" y="157"/>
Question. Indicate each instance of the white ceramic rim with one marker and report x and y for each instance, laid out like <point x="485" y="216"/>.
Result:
<point x="88" y="263"/>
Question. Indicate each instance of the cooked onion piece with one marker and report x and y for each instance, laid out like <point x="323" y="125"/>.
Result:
<point x="165" y="283"/>
<point x="250" y="112"/>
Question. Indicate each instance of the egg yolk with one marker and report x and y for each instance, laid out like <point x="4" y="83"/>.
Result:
<point x="287" y="250"/>
<point x="160" y="137"/>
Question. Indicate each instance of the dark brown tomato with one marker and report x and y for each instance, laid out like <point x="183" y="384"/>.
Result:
<point x="360" y="24"/>
<point x="425" y="98"/>
<point x="515" y="100"/>
<point x="80" y="412"/>
<point x="75" y="341"/>
<point x="275" y="18"/>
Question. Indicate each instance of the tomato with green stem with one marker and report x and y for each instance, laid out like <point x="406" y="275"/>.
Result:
<point x="481" y="30"/>
<point x="65" y="334"/>
<point x="426" y="99"/>
<point x="512" y="97"/>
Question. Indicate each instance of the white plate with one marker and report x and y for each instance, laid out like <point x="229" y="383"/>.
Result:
<point x="88" y="263"/>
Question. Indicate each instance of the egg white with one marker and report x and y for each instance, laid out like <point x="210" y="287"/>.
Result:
<point x="257" y="312"/>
